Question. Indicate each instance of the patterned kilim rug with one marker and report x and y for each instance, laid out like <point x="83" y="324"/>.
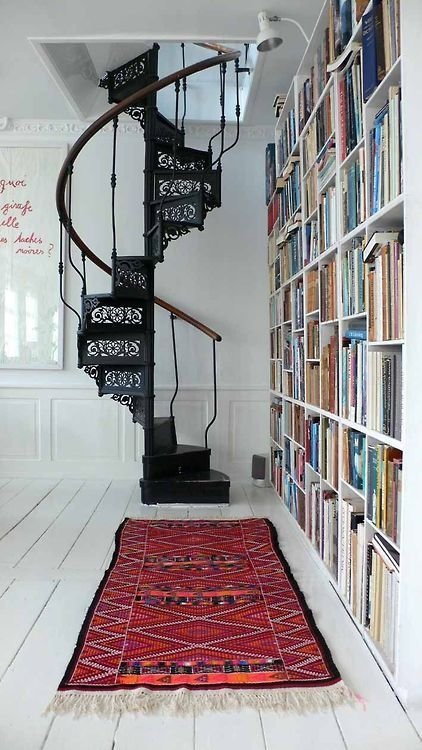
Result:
<point x="198" y="614"/>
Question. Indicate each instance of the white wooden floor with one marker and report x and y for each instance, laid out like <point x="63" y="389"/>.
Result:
<point x="56" y="538"/>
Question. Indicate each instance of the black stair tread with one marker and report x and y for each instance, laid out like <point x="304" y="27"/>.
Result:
<point x="186" y="153"/>
<point x="164" y="199"/>
<point x="180" y="450"/>
<point x="211" y="475"/>
<point x="143" y="258"/>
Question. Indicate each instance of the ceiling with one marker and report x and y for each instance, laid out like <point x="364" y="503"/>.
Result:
<point x="99" y="35"/>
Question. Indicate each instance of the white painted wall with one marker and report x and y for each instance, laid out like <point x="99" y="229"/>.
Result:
<point x="53" y="423"/>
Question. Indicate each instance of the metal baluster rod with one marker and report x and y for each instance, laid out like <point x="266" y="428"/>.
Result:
<point x="214" y="365"/>
<point x="176" y="369"/>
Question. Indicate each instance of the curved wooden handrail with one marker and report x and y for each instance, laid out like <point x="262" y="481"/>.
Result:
<point x="94" y="128"/>
<point x="188" y="319"/>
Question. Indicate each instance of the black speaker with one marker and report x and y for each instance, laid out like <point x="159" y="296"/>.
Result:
<point x="260" y="474"/>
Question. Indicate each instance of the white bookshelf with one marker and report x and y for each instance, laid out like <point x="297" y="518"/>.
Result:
<point x="390" y="216"/>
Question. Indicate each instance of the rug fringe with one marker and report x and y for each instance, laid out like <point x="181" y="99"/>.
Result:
<point x="182" y="701"/>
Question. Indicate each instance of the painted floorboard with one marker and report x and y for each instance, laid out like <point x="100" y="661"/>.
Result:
<point x="66" y="733"/>
<point x="23" y="503"/>
<point x="229" y="730"/>
<point x="155" y="733"/>
<point x="11" y="489"/>
<point x="23" y="537"/>
<point x="314" y="731"/>
<point x="53" y="547"/>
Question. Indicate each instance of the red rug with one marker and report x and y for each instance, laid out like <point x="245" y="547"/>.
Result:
<point x="198" y="614"/>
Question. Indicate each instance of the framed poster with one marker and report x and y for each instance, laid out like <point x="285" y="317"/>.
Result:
<point x="31" y="325"/>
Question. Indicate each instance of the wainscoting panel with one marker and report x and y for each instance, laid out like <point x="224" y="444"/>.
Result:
<point x="69" y="432"/>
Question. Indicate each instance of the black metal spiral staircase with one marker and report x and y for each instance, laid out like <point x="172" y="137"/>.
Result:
<point x="116" y="330"/>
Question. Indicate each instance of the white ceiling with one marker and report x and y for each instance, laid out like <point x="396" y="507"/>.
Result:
<point x="30" y="91"/>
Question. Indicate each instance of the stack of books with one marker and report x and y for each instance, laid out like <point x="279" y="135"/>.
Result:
<point x="289" y="193"/>
<point x="313" y="383"/>
<point x="311" y="195"/>
<point x="382" y="585"/>
<point x="299" y="424"/>
<point x="312" y="442"/>
<point x="312" y="339"/>
<point x="380" y="42"/>
<point x="384" y="286"/>
<point x="386" y="392"/>
<point x="294" y="500"/>
<point x="276" y="469"/>
<point x="287" y="304"/>
<point x="276" y="420"/>
<point x="298" y="309"/>
<point x="275" y="311"/>
<point x="288" y="418"/>
<point x="385" y="465"/>
<point x="354" y="463"/>
<point x="311" y="241"/>
<point x="312" y="291"/>
<point x="350" y="108"/>
<point x="352" y="549"/>
<point x="276" y="372"/>
<point x="328" y="283"/>
<point x="353" y="193"/>
<point x="314" y="514"/>
<point x="327" y="218"/>
<point x="329" y="535"/>
<point x="353" y="279"/>
<point x="313" y="86"/>
<point x="287" y="349"/>
<point x="294" y="461"/>
<point x="353" y="363"/>
<point x="299" y="368"/>
<point x="276" y="343"/>
<point x="329" y="375"/>
<point x="386" y="174"/>
<point x="287" y="140"/>
<point x="291" y="255"/>
<point x="329" y="451"/>
<point x="275" y="277"/>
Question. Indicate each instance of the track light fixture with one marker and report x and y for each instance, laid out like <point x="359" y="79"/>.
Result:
<point x="268" y="37"/>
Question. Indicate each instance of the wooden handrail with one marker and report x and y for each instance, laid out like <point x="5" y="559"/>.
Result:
<point x="93" y="129"/>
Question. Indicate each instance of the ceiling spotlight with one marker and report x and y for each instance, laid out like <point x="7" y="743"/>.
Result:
<point x="268" y="37"/>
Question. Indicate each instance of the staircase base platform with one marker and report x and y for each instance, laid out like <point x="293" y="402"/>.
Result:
<point x="209" y="487"/>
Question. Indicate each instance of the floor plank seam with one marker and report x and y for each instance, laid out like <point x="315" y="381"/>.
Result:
<point x="336" y="719"/>
<point x="47" y="734"/>
<point x="85" y="525"/>
<point x="48" y="527"/>
<point x="30" y="630"/>
<point x="7" y="587"/>
<point x="264" y="739"/>
<point x="29" y="511"/>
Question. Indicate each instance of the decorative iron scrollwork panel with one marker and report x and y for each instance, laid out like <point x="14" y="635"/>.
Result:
<point x="115" y="348"/>
<point x="117" y="315"/>
<point x="167" y="160"/>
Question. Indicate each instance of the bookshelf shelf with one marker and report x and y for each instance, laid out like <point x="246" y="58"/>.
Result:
<point x="337" y="384"/>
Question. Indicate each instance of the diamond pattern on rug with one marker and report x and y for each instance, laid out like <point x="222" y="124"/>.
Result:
<point x="200" y="605"/>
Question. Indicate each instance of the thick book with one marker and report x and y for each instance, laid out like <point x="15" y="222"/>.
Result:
<point x="379" y="37"/>
<point x="369" y="54"/>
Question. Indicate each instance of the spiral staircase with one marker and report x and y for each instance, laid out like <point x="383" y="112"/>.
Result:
<point x="115" y="336"/>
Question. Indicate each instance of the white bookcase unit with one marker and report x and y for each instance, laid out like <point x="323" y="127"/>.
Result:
<point x="340" y="344"/>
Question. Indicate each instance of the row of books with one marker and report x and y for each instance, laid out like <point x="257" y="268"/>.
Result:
<point x="287" y="304"/>
<point x="286" y="140"/>
<point x="312" y="442"/>
<point x="276" y="373"/>
<point x="384" y="288"/>
<point x="327" y="218"/>
<point x="299" y="368"/>
<point x="352" y="552"/>
<point x="294" y="422"/>
<point x="319" y="131"/>
<point x="312" y="291"/>
<point x="311" y="192"/>
<point x="382" y="597"/>
<point x="291" y="255"/>
<point x="344" y="15"/>
<point x="350" y="108"/>
<point x="313" y="383"/>
<point x="287" y="349"/>
<point x="273" y="250"/>
<point x="329" y="530"/>
<point x="288" y="383"/>
<point x="329" y="375"/>
<point x="329" y="451"/>
<point x="294" y="500"/>
<point x="354" y="459"/>
<point x="353" y="364"/>
<point x="353" y="193"/>
<point x="270" y="172"/>
<point x="298" y="307"/>
<point x="353" y="287"/>
<point x="313" y="514"/>
<point x="294" y="458"/>
<point x="289" y="194"/>
<point x="312" y="339"/>
<point x="385" y="465"/>
<point x="328" y="286"/>
<point x="313" y="86"/>
<point x="380" y="42"/>
<point x="276" y="420"/>
<point x="311" y="241"/>
<point x="386" y="392"/>
<point x="275" y="311"/>
<point x="386" y="178"/>
<point x="273" y="212"/>
<point x="326" y="164"/>
<point x="275" y="276"/>
<point x="276" y="343"/>
<point x="277" y="469"/>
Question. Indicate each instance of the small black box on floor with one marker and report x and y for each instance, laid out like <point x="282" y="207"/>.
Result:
<point x="260" y="472"/>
